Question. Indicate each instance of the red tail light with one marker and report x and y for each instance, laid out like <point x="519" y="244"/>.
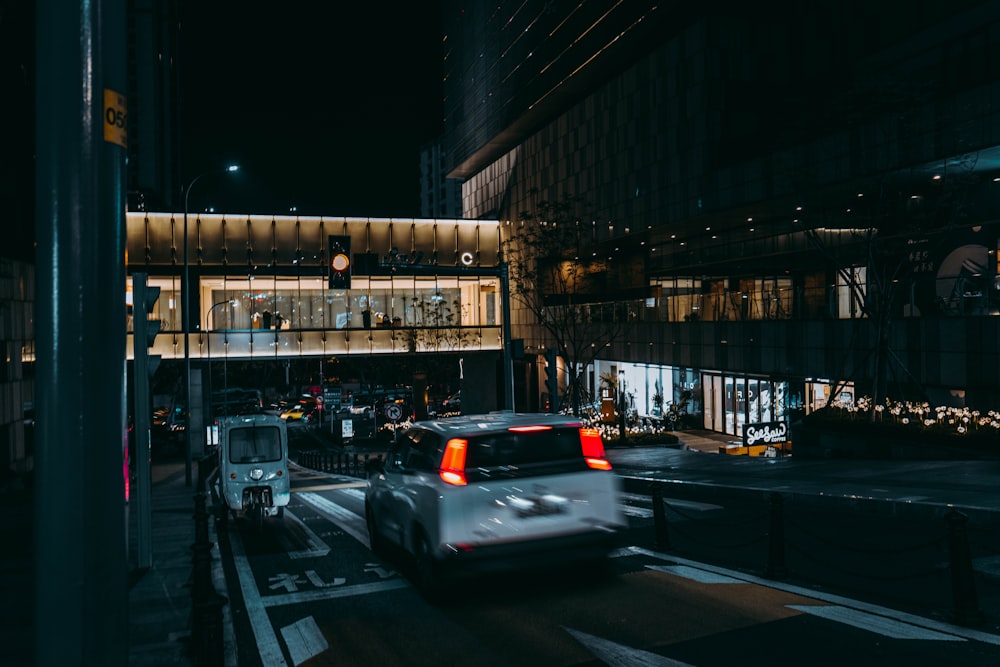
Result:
<point x="593" y="449"/>
<point x="452" y="468"/>
<point x="529" y="429"/>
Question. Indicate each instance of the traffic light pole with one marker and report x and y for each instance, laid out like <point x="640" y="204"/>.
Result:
<point x="143" y="333"/>
<point x="508" y="358"/>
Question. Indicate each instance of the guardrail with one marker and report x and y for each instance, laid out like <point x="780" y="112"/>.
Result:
<point x="913" y="559"/>
<point x="338" y="462"/>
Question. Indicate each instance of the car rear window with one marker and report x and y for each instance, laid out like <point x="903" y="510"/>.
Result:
<point x="524" y="448"/>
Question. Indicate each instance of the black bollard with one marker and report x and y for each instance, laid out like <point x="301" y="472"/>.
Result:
<point x="206" y="603"/>
<point x="209" y="643"/>
<point x="963" y="585"/>
<point x="660" y="519"/>
<point x="776" y="539"/>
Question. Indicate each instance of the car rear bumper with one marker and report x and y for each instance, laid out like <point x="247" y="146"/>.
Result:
<point x="476" y="559"/>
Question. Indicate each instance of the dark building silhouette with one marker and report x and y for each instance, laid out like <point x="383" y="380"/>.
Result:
<point x="807" y="200"/>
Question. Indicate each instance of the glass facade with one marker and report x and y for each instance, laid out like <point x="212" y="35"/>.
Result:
<point x="409" y="301"/>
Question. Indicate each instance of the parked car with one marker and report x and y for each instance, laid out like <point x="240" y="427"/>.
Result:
<point x="486" y="492"/>
<point x="453" y="403"/>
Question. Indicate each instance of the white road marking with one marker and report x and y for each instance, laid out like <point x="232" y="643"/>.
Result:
<point x="619" y="655"/>
<point x="355" y="492"/>
<point x="900" y="616"/>
<point x="329" y="487"/>
<point x="331" y="593"/>
<point x="688" y="504"/>
<point x="695" y="574"/>
<point x="640" y="512"/>
<point x="318" y="582"/>
<point x="304" y="640"/>
<point x="317" y="548"/>
<point x="988" y="566"/>
<point x="351" y="523"/>
<point x="873" y="623"/>
<point x="267" y="642"/>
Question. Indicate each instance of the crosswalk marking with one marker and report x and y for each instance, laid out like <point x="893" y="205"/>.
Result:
<point x="873" y="623"/>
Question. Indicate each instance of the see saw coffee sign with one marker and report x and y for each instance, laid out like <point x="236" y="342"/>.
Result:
<point x="115" y="117"/>
<point x="765" y="433"/>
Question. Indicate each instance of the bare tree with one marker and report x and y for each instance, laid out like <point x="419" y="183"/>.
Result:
<point x="558" y="274"/>
<point x="884" y="247"/>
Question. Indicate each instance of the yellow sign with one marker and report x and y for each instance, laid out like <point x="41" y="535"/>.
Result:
<point x="115" y="118"/>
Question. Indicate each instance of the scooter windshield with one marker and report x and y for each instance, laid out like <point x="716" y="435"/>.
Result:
<point x="254" y="444"/>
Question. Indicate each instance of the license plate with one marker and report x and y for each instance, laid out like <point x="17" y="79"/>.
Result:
<point x="532" y="506"/>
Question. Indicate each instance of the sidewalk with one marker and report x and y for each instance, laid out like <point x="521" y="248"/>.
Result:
<point x="900" y="487"/>
<point x="17" y="575"/>
<point x="160" y="604"/>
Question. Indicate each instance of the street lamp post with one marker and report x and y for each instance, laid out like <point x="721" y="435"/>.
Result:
<point x="208" y="349"/>
<point x="186" y="324"/>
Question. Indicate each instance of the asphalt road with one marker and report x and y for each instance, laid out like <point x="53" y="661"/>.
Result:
<point x="308" y="588"/>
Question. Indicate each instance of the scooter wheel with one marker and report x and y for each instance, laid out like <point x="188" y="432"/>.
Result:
<point x="257" y="517"/>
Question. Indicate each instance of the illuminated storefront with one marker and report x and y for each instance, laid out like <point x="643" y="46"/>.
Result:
<point x="260" y="285"/>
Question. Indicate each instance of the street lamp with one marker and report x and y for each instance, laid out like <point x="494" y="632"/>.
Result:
<point x="186" y="322"/>
<point x="208" y="328"/>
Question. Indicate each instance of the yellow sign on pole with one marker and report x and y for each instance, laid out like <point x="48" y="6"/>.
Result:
<point x="115" y="117"/>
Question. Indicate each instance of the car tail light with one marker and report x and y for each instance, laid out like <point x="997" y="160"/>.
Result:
<point x="593" y="449"/>
<point x="529" y="429"/>
<point x="452" y="468"/>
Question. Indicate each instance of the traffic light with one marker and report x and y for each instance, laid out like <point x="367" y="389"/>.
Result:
<point x="552" y="379"/>
<point x="340" y="262"/>
<point x="144" y="330"/>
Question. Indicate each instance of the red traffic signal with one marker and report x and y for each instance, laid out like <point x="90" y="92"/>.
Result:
<point x="340" y="262"/>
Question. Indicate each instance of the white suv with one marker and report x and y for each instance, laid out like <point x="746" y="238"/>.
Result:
<point x="483" y="492"/>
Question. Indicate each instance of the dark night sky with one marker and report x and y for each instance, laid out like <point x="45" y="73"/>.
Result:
<point x="324" y="105"/>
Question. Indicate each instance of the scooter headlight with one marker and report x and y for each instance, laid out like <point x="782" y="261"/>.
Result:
<point x="256" y="474"/>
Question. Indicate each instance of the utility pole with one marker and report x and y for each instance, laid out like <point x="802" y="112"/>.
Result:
<point x="81" y="566"/>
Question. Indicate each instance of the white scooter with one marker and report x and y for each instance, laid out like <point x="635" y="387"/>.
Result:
<point x="253" y="467"/>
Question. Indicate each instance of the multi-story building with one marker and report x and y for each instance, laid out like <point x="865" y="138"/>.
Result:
<point x="795" y="207"/>
<point x="153" y="85"/>
<point x="267" y="300"/>
<point x="17" y="299"/>
<point x="440" y="196"/>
